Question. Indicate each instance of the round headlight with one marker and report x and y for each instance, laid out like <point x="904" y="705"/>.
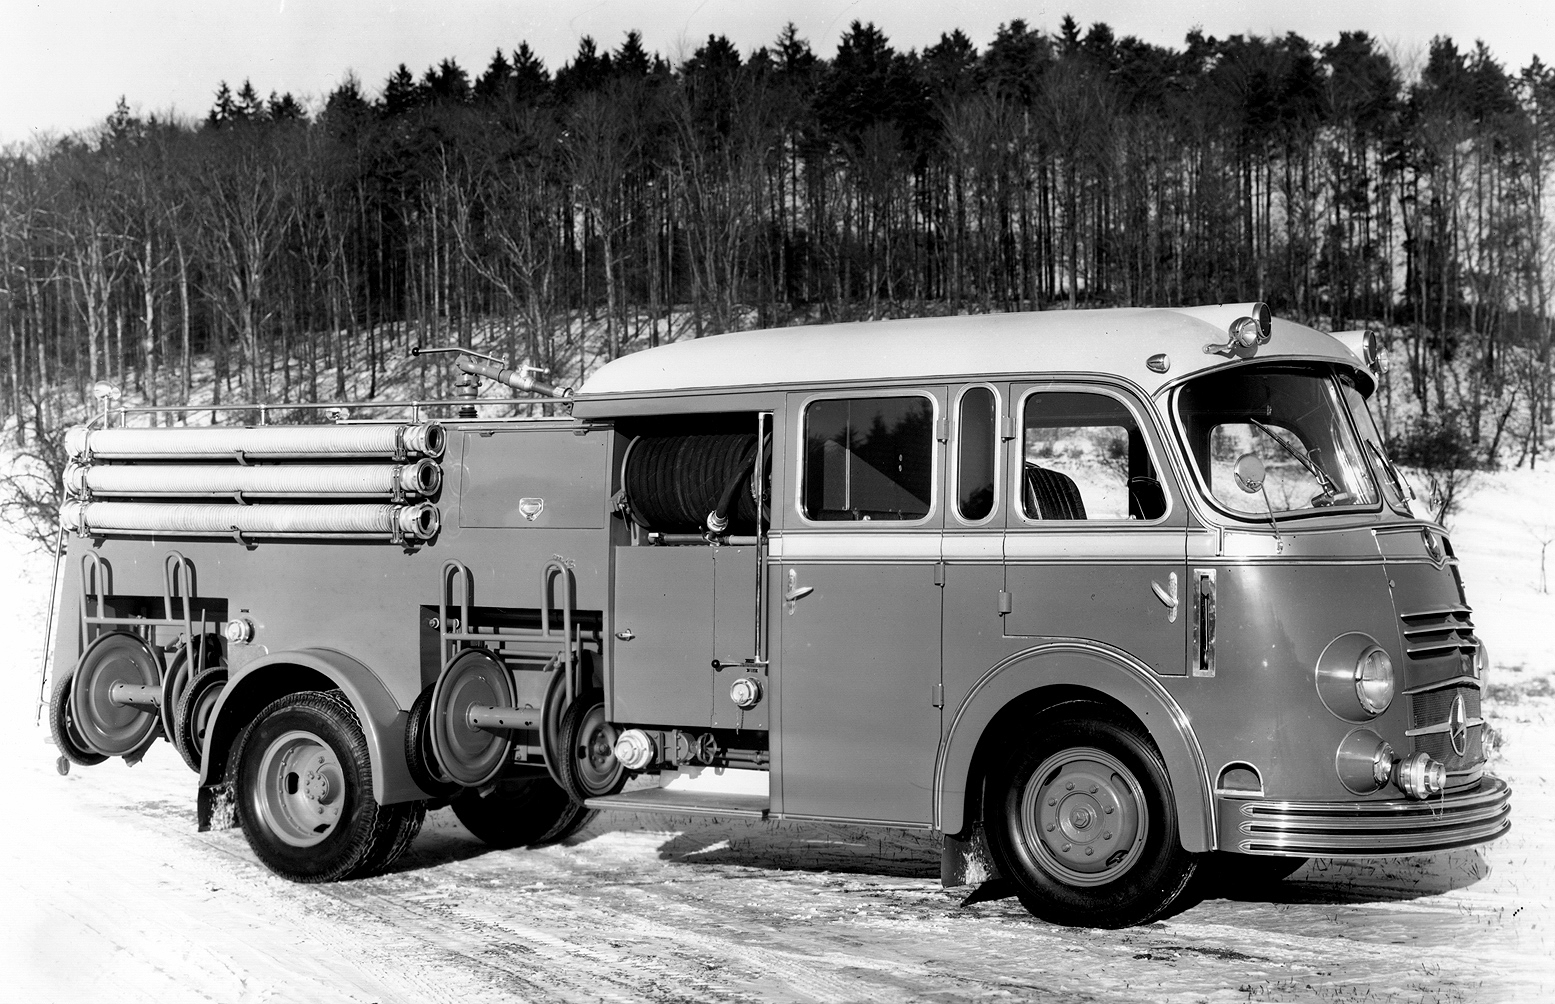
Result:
<point x="1374" y="680"/>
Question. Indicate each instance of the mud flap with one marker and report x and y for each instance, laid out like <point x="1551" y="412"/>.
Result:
<point x="214" y="809"/>
<point x="966" y="861"/>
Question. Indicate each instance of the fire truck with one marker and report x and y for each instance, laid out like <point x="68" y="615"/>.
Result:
<point x="1102" y="598"/>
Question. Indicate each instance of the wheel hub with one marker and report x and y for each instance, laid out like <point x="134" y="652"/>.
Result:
<point x="1083" y="816"/>
<point x="301" y="791"/>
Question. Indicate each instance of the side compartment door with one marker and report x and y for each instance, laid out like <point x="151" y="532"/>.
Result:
<point x="1095" y="541"/>
<point x="859" y="588"/>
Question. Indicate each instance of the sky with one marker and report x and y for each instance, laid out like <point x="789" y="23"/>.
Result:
<point x="64" y="63"/>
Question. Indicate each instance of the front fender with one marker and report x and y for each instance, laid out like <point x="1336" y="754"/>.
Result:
<point x="1077" y="664"/>
<point x="258" y="683"/>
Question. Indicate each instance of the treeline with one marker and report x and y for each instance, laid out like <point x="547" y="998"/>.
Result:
<point x="637" y="201"/>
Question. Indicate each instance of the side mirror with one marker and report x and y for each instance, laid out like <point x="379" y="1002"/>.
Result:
<point x="1249" y="473"/>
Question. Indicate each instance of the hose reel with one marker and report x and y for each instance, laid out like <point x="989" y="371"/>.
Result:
<point x="691" y="482"/>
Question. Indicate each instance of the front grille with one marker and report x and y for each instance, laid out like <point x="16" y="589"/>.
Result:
<point x="1439" y="746"/>
<point x="1439" y="648"/>
<point x="1433" y="706"/>
<point x="1437" y="633"/>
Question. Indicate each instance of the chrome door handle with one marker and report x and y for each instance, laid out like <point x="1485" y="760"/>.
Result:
<point x="795" y="592"/>
<point x="1168" y="597"/>
<point x="625" y="634"/>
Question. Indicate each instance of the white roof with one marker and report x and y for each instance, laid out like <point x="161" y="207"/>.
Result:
<point x="955" y="348"/>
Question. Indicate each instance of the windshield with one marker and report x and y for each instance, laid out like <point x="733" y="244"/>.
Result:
<point x="1395" y="485"/>
<point x="1294" y="421"/>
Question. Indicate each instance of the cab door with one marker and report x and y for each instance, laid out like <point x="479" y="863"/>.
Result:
<point x="1095" y="546"/>
<point x="858" y="603"/>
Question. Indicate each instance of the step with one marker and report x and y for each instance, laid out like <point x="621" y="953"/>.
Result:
<point x="685" y="803"/>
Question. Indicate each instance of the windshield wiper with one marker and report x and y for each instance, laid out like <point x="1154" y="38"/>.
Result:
<point x="1401" y="487"/>
<point x="1330" y="491"/>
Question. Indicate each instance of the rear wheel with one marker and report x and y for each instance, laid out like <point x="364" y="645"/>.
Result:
<point x="1080" y="818"/>
<point x="304" y="793"/>
<point x="520" y="812"/>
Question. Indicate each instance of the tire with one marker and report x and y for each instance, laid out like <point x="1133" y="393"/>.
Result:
<point x="303" y="792"/>
<point x="193" y="714"/>
<point x="175" y="682"/>
<point x="1080" y="818"/>
<point x="418" y="749"/>
<point x="586" y="757"/>
<point x="62" y="726"/>
<point x="520" y="812"/>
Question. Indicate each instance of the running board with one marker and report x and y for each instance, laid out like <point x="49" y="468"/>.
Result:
<point x="685" y="803"/>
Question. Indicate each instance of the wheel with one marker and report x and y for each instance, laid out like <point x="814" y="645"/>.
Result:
<point x="520" y="812"/>
<point x="62" y="726"/>
<point x="207" y="652"/>
<point x="469" y="756"/>
<point x="193" y="715"/>
<point x="586" y="759"/>
<point x="418" y="749"/>
<point x="1080" y="818"/>
<point x="304" y="788"/>
<point x="104" y="727"/>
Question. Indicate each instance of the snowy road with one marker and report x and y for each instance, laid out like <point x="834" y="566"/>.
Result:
<point x="107" y="893"/>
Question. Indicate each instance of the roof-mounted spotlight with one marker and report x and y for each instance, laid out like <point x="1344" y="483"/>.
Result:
<point x="1365" y="345"/>
<point x="1245" y="334"/>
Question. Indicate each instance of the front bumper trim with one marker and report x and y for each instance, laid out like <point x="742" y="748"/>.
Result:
<point x="1369" y="829"/>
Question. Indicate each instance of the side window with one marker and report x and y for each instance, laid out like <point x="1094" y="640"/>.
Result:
<point x="868" y="458"/>
<point x="1085" y="458"/>
<point x="975" y="454"/>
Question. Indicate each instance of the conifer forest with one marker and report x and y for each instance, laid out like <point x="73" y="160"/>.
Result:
<point x="295" y="248"/>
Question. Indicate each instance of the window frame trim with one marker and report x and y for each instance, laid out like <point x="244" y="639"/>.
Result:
<point x="936" y="455"/>
<point x="953" y="460"/>
<point x="1201" y="486"/>
<point x="1142" y="424"/>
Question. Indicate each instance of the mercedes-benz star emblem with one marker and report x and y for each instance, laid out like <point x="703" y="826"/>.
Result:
<point x="1458" y="725"/>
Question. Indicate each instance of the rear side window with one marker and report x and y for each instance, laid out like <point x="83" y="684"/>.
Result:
<point x="1086" y="459"/>
<point x="975" y="455"/>
<point x="868" y="459"/>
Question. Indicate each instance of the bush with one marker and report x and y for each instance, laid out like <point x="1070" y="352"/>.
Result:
<point x="1440" y="451"/>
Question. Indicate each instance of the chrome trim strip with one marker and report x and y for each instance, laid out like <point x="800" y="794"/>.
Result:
<point x="885" y="544"/>
<point x="1456" y="681"/>
<point x="1426" y="730"/>
<point x="1443" y="612"/>
<point x="1315" y="825"/>
<point x="1494" y="790"/>
<point x="986" y="546"/>
<point x="1370" y="845"/>
<point x="1122" y="543"/>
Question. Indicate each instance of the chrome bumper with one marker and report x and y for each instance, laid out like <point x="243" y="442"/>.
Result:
<point x="1368" y="829"/>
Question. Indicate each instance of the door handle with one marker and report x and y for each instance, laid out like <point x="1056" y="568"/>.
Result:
<point x="795" y="592"/>
<point x="1168" y="597"/>
<point x="625" y="634"/>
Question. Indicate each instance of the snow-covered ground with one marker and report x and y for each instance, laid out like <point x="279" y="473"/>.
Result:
<point x="107" y="893"/>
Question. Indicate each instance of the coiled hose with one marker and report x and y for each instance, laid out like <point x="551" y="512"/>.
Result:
<point x="672" y="483"/>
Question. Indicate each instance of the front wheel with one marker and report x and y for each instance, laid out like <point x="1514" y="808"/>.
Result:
<point x="305" y="794"/>
<point x="1080" y="818"/>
